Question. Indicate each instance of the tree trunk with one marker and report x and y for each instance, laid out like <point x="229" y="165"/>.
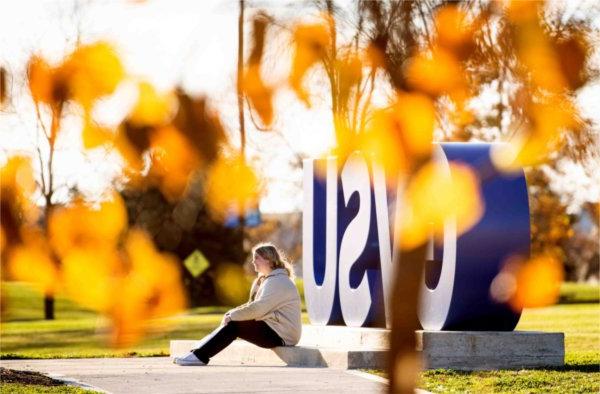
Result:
<point x="48" y="298"/>
<point x="404" y="363"/>
<point x="49" y="307"/>
<point x="240" y="102"/>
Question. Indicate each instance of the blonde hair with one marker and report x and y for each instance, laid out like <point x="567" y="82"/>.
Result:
<point x="272" y="254"/>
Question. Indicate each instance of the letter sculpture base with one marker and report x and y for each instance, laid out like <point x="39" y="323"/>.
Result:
<point x="342" y="347"/>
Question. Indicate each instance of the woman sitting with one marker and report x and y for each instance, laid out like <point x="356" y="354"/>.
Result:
<point x="269" y="319"/>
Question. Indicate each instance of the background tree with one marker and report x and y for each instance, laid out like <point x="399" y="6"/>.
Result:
<point x="443" y="55"/>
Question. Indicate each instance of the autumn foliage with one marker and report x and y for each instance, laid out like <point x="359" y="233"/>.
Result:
<point x="170" y="138"/>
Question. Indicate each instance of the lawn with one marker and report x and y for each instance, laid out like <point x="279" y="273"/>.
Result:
<point x="77" y="332"/>
<point x="581" y="373"/>
<point x="80" y="333"/>
<point x="18" y="388"/>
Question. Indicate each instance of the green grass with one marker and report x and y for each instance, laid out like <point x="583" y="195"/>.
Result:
<point x="579" y="322"/>
<point x="581" y="373"/>
<point x="525" y="381"/>
<point x="578" y="293"/>
<point x="578" y="316"/>
<point x="80" y="333"/>
<point x="18" y="388"/>
<point x="77" y="332"/>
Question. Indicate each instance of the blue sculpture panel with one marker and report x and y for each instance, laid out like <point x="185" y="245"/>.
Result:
<point x="349" y="244"/>
<point x="455" y="294"/>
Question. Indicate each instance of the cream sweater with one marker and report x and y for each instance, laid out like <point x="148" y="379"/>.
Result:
<point x="277" y="303"/>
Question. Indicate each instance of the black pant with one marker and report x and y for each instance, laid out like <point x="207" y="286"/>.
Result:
<point x="254" y="331"/>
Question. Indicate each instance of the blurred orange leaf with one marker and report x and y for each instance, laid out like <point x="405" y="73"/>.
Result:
<point x="572" y="55"/>
<point x="40" y="80"/>
<point x="152" y="108"/>
<point x="232" y="185"/>
<point x="548" y="120"/>
<point x="90" y="277"/>
<point x="152" y="289"/>
<point x="94" y="135"/>
<point x="231" y="284"/>
<point x="173" y="161"/>
<point x="93" y="71"/>
<point x="414" y="115"/>
<point x="528" y="284"/>
<point x="32" y="263"/>
<point x="454" y="31"/>
<point x="434" y="195"/>
<point x="258" y="93"/>
<point x="2" y="240"/>
<point x="79" y="225"/>
<point x="436" y="73"/>
<point x="398" y="137"/>
<point x="17" y="186"/>
<point x="312" y="42"/>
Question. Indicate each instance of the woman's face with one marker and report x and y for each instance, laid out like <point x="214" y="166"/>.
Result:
<point x="261" y="265"/>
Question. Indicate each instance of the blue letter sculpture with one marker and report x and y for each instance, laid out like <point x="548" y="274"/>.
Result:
<point x="349" y="245"/>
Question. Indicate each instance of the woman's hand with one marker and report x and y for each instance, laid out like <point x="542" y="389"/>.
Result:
<point x="226" y="319"/>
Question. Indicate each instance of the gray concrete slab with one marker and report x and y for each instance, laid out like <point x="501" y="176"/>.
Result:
<point x="490" y="350"/>
<point x="241" y="352"/>
<point x="160" y="375"/>
<point x="340" y="347"/>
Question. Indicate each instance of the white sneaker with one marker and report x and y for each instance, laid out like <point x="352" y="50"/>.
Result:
<point x="188" y="359"/>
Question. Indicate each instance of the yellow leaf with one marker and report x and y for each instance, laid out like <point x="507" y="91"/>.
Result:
<point x="152" y="108"/>
<point x="528" y="284"/>
<point x="398" y="137"/>
<point x="542" y="63"/>
<point x="173" y="161"/>
<point x="17" y="185"/>
<point x="33" y="264"/>
<point x="2" y="240"/>
<point x="17" y="174"/>
<point x="311" y="44"/>
<point x="152" y="289"/>
<point x="94" y="135"/>
<point x="454" y="32"/>
<point x="435" y="73"/>
<point x="435" y="195"/>
<point x="40" y="80"/>
<point x="415" y="116"/>
<point x="129" y="152"/>
<point x="231" y="284"/>
<point x="111" y="219"/>
<point x="80" y="226"/>
<point x="92" y="71"/>
<point x="544" y="134"/>
<point x="232" y="185"/>
<point x="523" y="11"/>
<point x="260" y="95"/>
<point x="90" y="277"/>
<point x="382" y="141"/>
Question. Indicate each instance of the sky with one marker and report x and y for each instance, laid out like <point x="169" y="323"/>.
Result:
<point x="188" y="43"/>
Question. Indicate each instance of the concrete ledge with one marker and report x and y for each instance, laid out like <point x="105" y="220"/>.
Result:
<point x="341" y="336"/>
<point x="485" y="350"/>
<point x="350" y="347"/>
<point x="244" y="353"/>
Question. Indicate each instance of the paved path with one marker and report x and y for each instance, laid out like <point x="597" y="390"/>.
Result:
<point x="159" y="375"/>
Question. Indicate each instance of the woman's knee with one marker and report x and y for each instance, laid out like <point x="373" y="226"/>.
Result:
<point x="233" y="327"/>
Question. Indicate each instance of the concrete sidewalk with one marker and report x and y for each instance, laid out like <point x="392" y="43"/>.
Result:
<point x="159" y="375"/>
